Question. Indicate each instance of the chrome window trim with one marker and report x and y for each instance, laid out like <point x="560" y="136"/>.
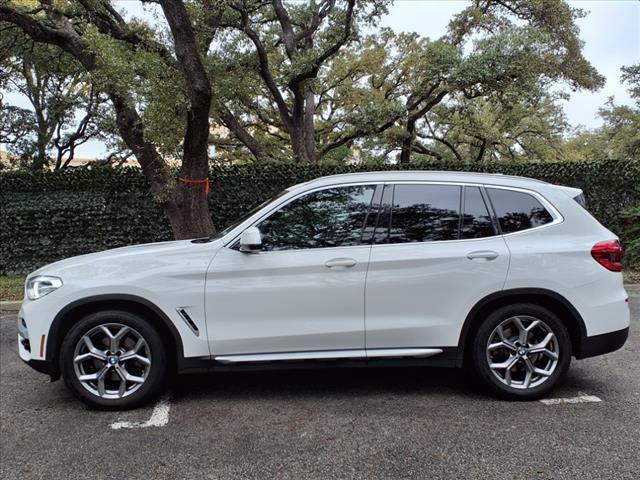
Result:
<point x="234" y="235"/>
<point x="261" y="215"/>
<point x="553" y="211"/>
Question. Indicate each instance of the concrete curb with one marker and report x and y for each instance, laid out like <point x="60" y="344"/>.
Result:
<point x="9" y="307"/>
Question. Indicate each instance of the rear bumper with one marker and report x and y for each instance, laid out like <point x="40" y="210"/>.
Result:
<point x="601" y="344"/>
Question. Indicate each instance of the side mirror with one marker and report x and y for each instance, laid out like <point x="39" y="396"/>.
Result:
<point x="251" y="240"/>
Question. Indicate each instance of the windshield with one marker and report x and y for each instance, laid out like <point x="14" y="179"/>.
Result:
<point x="222" y="233"/>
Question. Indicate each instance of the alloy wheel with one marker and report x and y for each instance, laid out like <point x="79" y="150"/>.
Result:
<point x="522" y="352"/>
<point x="112" y="360"/>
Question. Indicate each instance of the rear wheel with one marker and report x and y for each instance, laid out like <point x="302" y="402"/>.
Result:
<point x="521" y="352"/>
<point x="113" y="359"/>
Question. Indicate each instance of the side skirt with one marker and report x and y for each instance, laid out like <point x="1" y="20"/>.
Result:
<point x="420" y="357"/>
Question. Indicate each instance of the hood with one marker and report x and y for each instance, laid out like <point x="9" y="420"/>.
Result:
<point x="128" y="258"/>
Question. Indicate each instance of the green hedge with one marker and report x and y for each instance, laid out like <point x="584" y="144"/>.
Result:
<point x="47" y="216"/>
<point x="631" y="237"/>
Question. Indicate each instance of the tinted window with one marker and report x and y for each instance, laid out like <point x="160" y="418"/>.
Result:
<point x="517" y="211"/>
<point x="327" y="218"/>
<point x="421" y="213"/>
<point x="476" y="221"/>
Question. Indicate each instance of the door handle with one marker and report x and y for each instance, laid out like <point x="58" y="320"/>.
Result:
<point x="340" y="263"/>
<point x="484" y="254"/>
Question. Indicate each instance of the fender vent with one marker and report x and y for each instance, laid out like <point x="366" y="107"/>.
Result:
<point x="189" y="321"/>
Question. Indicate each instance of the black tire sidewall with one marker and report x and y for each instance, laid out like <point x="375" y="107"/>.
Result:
<point x="481" y="368"/>
<point x="154" y="380"/>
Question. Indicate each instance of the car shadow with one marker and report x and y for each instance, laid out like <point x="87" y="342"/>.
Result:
<point x="326" y="382"/>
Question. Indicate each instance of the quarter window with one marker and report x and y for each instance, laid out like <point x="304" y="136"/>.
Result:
<point x="476" y="220"/>
<point x="517" y="211"/>
<point x="419" y="213"/>
<point x="327" y="218"/>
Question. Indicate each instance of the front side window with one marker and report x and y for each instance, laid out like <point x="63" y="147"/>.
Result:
<point x="419" y="213"/>
<point x="517" y="211"/>
<point x="327" y="218"/>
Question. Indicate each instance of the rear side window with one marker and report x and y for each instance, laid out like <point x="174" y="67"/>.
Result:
<point x="419" y="213"/>
<point x="517" y="211"/>
<point x="476" y="220"/>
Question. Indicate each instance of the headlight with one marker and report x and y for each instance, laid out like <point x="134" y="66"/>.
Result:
<point x="42" y="285"/>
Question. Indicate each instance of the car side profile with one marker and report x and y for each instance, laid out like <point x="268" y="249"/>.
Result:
<point x="508" y="276"/>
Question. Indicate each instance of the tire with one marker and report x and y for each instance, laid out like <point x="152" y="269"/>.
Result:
<point x="511" y="368"/>
<point x="122" y="365"/>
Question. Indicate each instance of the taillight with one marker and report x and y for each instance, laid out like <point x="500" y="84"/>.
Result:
<point x="609" y="255"/>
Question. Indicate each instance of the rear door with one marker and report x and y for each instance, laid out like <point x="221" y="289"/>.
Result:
<point x="436" y="252"/>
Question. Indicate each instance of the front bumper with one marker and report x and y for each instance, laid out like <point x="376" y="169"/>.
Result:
<point x="601" y="344"/>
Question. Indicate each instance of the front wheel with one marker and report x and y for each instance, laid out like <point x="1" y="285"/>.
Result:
<point x="521" y="352"/>
<point x="114" y="360"/>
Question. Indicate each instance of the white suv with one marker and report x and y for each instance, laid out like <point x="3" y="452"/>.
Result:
<point x="508" y="275"/>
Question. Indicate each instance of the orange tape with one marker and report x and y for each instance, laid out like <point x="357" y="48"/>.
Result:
<point x="197" y="182"/>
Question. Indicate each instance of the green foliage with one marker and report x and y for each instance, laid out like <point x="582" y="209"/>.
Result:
<point x="52" y="215"/>
<point x="631" y="237"/>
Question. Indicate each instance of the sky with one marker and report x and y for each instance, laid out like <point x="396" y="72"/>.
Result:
<point x="611" y="32"/>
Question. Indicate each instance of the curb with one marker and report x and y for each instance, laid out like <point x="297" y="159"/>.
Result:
<point x="10" y="307"/>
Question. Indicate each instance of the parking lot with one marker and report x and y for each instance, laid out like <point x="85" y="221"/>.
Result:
<point x="391" y="423"/>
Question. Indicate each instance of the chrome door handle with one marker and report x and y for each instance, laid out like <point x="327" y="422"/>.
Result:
<point x="340" y="263"/>
<point x="484" y="254"/>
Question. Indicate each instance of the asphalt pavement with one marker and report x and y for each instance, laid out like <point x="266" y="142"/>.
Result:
<point x="373" y="423"/>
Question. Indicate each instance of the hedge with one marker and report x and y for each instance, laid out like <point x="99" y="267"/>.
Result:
<point x="47" y="216"/>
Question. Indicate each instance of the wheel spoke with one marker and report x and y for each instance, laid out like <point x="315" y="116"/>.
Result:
<point x="532" y="325"/>
<point x="93" y="351"/>
<point x="507" y="364"/>
<point x="527" y="378"/>
<point x="504" y="339"/>
<point x="496" y="345"/>
<point x="522" y="331"/>
<point x="134" y="356"/>
<point x="542" y="372"/>
<point x="127" y="376"/>
<point x="101" y="377"/>
<point x="539" y="347"/>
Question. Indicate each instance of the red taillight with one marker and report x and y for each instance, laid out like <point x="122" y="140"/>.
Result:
<point x="609" y="255"/>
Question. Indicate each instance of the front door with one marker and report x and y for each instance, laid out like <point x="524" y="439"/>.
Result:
<point x="430" y="265"/>
<point x="304" y="292"/>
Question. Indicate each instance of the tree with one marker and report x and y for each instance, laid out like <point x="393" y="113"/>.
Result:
<point x="521" y="47"/>
<point x="287" y="91"/>
<point x="106" y="45"/>
<point x="479" y="129"/>
<point x="619" y="135"/>
<point x="65" y="108"/>
<point x="287" y="48"/>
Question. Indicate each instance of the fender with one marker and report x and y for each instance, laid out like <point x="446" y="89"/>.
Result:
<point x="183" y="364"/>
<point x="523" y="293"/>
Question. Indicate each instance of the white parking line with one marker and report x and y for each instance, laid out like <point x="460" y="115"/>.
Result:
<point x="579" y="399"/>
<point x="159" y="417"/>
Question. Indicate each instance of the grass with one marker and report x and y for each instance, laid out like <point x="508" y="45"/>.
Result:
<point x="12" y="288"/>
<point x="632" y="276"/>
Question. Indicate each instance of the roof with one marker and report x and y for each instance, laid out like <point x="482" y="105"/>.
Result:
<point x="426" y="175"/>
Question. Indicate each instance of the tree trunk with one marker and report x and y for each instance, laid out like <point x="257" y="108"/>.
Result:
<point x="188" y="212"/>
<point x="185" y="204"/>
<point x="407" y="142"/>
